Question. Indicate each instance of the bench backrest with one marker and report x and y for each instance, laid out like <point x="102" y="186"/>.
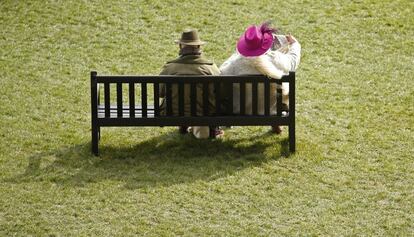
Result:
<point x="145" y="111"/>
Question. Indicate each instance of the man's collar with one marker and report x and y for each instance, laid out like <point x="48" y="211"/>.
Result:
<point x="192" y="59"/>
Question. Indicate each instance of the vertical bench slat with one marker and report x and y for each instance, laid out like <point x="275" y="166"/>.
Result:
<point x="205" y="99"/>
<point x="131" y="100"/>
<point x="94" y="115"/>
<point x="144" y="99"/>
<point x="217" y="92"/>
<point x="107" y="100"/>
<point x="231" y="99"/>
<point x="169" y="98"/>
<point x="156" y="99"/>
<point x="254" y="98"/>
<point x="181" y="99"/>
<point x="119" y="99"/>
<point x="267" y="97"/>
<point x="279" y="99"/>
<point x="242" y="98"/>
<point x="193" y="99"/>
<point x="292" y="135"/>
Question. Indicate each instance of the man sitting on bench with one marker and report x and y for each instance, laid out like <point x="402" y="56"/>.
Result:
<point x="190" y="62"/>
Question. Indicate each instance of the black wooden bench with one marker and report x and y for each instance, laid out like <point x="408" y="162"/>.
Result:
<point x="142" y="113"/>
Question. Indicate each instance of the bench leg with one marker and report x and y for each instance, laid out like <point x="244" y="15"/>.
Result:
<point x="292" y="137"/>
<point x="95" y="140"/>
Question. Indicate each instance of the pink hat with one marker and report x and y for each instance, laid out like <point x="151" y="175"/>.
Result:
<point x="255" y="41"/>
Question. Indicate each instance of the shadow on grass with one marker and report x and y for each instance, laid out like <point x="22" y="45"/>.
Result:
<point x="159" y="161"/>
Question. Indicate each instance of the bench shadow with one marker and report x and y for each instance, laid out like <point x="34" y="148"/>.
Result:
<point x="162" y="160"/>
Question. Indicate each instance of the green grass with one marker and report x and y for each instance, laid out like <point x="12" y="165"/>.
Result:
<point x="352" y="174"/>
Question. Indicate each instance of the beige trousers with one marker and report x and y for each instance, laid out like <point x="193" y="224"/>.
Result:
<point x="200" y="132"/>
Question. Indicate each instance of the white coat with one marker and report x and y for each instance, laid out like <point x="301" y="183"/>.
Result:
<point x="274" y="64"/>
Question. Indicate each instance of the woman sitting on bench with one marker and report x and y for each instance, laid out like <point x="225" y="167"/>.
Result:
<point x="260" y="50"/>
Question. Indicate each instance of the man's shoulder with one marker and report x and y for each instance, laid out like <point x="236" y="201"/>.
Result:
<point x="190" y="66"/>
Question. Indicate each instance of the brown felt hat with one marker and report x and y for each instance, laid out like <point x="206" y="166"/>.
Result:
<point x="190" y="37"/>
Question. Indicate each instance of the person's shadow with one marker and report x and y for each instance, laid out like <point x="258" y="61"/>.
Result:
<point x="159" y="161"/>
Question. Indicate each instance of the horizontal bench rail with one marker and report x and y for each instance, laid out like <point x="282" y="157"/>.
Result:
<point x="193" y="121"/>
<point x="190" y="79"/>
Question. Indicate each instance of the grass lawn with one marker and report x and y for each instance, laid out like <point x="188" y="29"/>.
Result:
<point x="352" y="174"/>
